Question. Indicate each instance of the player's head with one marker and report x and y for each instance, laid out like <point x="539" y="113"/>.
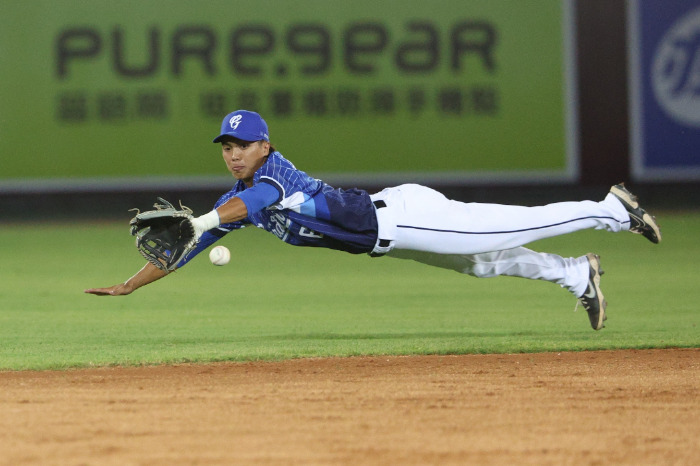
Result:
<point x="244" y="125"/>
<point x="245" y="144"/>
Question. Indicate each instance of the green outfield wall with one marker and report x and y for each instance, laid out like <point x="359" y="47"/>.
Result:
<point x="384" y="90"/>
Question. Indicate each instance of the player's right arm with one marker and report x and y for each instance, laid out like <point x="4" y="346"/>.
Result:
<point x="233" y="210"/>
<point x="148" y="274"/>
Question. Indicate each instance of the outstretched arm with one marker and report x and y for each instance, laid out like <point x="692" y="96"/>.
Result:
<point x="250" y="201"/>
<point x="148" y="274"/>
<point x="246" y="203"/>
<point x="232" y="211"/>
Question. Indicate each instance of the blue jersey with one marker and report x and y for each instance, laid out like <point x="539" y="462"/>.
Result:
<point x="307" y="212"/>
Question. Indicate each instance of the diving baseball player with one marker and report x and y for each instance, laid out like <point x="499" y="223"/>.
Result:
<point x="407" y="222"/>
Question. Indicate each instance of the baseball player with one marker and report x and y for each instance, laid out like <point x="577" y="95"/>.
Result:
<point x="406" y="222"/>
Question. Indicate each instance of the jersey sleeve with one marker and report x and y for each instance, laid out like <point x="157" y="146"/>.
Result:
<point x="259" y="196"/>
<point x="227" y="227"/>
<point x="207" y="239"/>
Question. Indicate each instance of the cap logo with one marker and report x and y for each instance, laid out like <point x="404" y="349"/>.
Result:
<point x="235" y="121"/>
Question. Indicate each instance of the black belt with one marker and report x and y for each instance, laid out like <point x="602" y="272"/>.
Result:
<point x="383" y="243"/>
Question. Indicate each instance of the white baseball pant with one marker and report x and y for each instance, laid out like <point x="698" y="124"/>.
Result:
<point x="485" y="240"/>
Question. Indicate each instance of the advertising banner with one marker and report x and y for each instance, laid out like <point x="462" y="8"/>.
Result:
<point x="105" y="94"/>
<point x="665" y="89"/>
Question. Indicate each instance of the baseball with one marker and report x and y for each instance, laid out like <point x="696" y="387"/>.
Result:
<point x="220" y="255"/>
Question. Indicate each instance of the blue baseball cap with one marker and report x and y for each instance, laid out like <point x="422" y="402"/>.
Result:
<point x="244" y="125"/>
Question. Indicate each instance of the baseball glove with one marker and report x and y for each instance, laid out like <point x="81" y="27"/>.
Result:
<point x="164" y="236"/>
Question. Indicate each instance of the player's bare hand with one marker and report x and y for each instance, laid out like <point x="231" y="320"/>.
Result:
<point x="149" y="273"/>
<point x="116" y="290"/>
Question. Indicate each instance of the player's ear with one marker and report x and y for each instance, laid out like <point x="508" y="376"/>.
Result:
<point x="265" y="146"/>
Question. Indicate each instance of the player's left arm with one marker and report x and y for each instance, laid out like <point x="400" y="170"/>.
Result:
<point x="233" y="211"/>
<point x="238" y="208"/>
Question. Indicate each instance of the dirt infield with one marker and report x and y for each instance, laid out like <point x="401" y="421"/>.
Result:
<point x="599" y="408"/>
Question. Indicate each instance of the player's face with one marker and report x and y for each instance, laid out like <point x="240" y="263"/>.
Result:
<point x="243" y="158"/>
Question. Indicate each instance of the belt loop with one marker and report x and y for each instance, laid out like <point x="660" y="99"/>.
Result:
<point x="385" y="228"/>
<point x="383" y="245"/>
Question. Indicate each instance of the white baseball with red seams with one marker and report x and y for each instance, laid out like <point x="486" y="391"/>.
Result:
<point x="220" y="255"/>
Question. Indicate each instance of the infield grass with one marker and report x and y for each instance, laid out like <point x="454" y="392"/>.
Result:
<point x="276" y="301"/>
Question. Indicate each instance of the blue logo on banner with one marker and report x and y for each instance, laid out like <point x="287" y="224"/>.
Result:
<point x="668" y="37"/>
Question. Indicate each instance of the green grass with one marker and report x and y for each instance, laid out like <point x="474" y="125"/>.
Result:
<point x="276" y="301"/>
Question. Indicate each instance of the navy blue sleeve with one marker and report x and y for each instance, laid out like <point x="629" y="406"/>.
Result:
<point x="259" y="196"/>
<point x="207" y="239"/>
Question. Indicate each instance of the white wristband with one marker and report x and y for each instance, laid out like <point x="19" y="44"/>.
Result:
<point x="205" y="222"/>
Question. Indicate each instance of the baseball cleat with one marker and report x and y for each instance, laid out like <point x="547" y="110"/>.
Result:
<point x="593" y="299"/>
<point x="641" y="222"/>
